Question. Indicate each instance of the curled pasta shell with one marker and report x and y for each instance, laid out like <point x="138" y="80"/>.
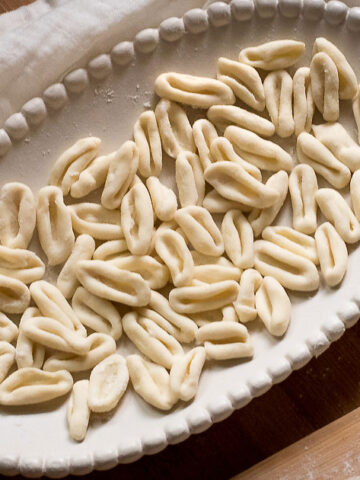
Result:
<point x="185" y="373"/>
<point x="225" y="314"/>
<point x="97" y="313"/>
<point x="339" y="142"/>
<point x="215" y="203"/>
<point x="244" y="304"/>
<point x="244" y="81"/>
<point x="111" y="283"/>
<point x="261" y="218"/>
<point x="303" y="187"/>
<point x="225" y="115"/>
<point x="17" y="215"/>
<point x="163" y="199"/>
<point x="233" y="182"/>
<point x="200" y="92"/>
<point x="225" y="340"/>
<point x="325" y="86"/>
<point x="172" y="249"/>
<point x="78" y="412"/>
<point x="145" y="330"/>
<point x="67" y="168"/>
<point x="14" y="295"/>
<point x="356" y="112"/>
<point x="213" y="269"/>
<point x="355" y="193"/>
<point x="290" y="239"/>
<point x="28" y="353"/>
<point x="303" y="101"/>
<point x="273" y="306"/>
<point x="348" y="87"/>
<point x="263" y="153"/>
<point x="108" y="383"/>
<point x="201" y="230"/>
<point x="148" y="142"/>
<point x="273" y="55"/>
<point x="174" y="127"/>
<point x="54" y="227"/>
<point x="204" y="297"/>
<point x="278" y="87"/>
<point x="110" y="250"/>
<point x="8" y="329"/>
<point x="334" y="207"/>
<point x="52" y="303"/>
<point x="97" y="221"/>
<point x="189" y="179"/>
<point x="137" y="219"/>
<point x="312" y="152"/>
<point x="7" y="358"/>
<point x="151" y="270"/>
<point x="100" y="347"/>
<point x="183" y="328"/>
<point x="29" y="386"/>
<point x="333" y="255"/>
<point x="238" y="239"/>
<point x="121" y="173"/>
<point x="23" y="265"/>
<point x="151" y="382"/>
<point x="204" y="134"/>
<point x="93" y="176"/>
<point x="289" y="269"/>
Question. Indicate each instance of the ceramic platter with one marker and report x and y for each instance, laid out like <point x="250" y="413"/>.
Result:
<point x="104" y="99"/>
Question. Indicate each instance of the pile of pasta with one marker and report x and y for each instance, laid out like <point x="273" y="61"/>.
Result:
<point x="181" y="274"/>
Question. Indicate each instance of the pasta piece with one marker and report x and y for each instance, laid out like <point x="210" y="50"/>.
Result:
<point x="204" y="297"/>
<point x="189" y="179"/>
<point x="54" y="227"/>
<point x="348" y="87"/>
<point x="302" y="188"/>
<point x="204" y="134"/>
<point x="200" y="92"/>
<point x="137" y="219"/>
<point x="163" y="199"/>
<point x="356" y="112"/>
<point x="174" y="127"/>
<point x="273" y="306"/>
<point x="183" y="328"/>
<point x="244" y="304"/>
<point x="278" y="87"/>
<point x="172" y="249"/>
<point x="17" y="215"/>
<point x="111" y="283"/>
<point x="151" y="382"/>
<point x="7" y="358"/>
<point x="111" y="250"/>
<point x="185" y="373"/>
<point x="201" y="230"/>
<point x="78" y="412"/>
<point x="355" y="193"/>
<point x="333" y="255"/>
<point x="100" y="347"/>
<point x="244" y="81"/>
<point x="238" y="239"/>
<point x="8" y="329"/>
<point x="290" y="239"/>
<point x="334" y="207"/>
<point x="204" y="318"/>
<point x="145" y="330"/>
<point x="108" y="383"/>
<point x="30" y="386"/>
<point x="325" y="86"/>
<point x="225" y="340"/>
<point x="341" y="145"/>
<point x="289" y="269"/>
<point x="215" y="203"/>
<point x="312" y="152"/>
<point x="67" y="168"/>
<point x="14" y="295"/>
<point x="263" y="153"/>
<point x="93" y="176"/>
<point x="23" y="265"/>
<point x="213" y="269"/>
<point x="148" y="142"/>
<point x="96" y="221"/>
<point x="96" y="313"/>
<point x="261" y="218"/>
<point x="28" y="353"/>
<point x="67" y="281"/>
<point x="273" y="55"/>
<point x="225" y="115"/>
<point x="303" y="101"/>
<point x="121" y="173"/>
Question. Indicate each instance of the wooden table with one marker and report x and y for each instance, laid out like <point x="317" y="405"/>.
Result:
<point x="326" y="389"/>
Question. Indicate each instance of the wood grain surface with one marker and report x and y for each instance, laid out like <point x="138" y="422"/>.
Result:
<point x="8" y="5"/>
